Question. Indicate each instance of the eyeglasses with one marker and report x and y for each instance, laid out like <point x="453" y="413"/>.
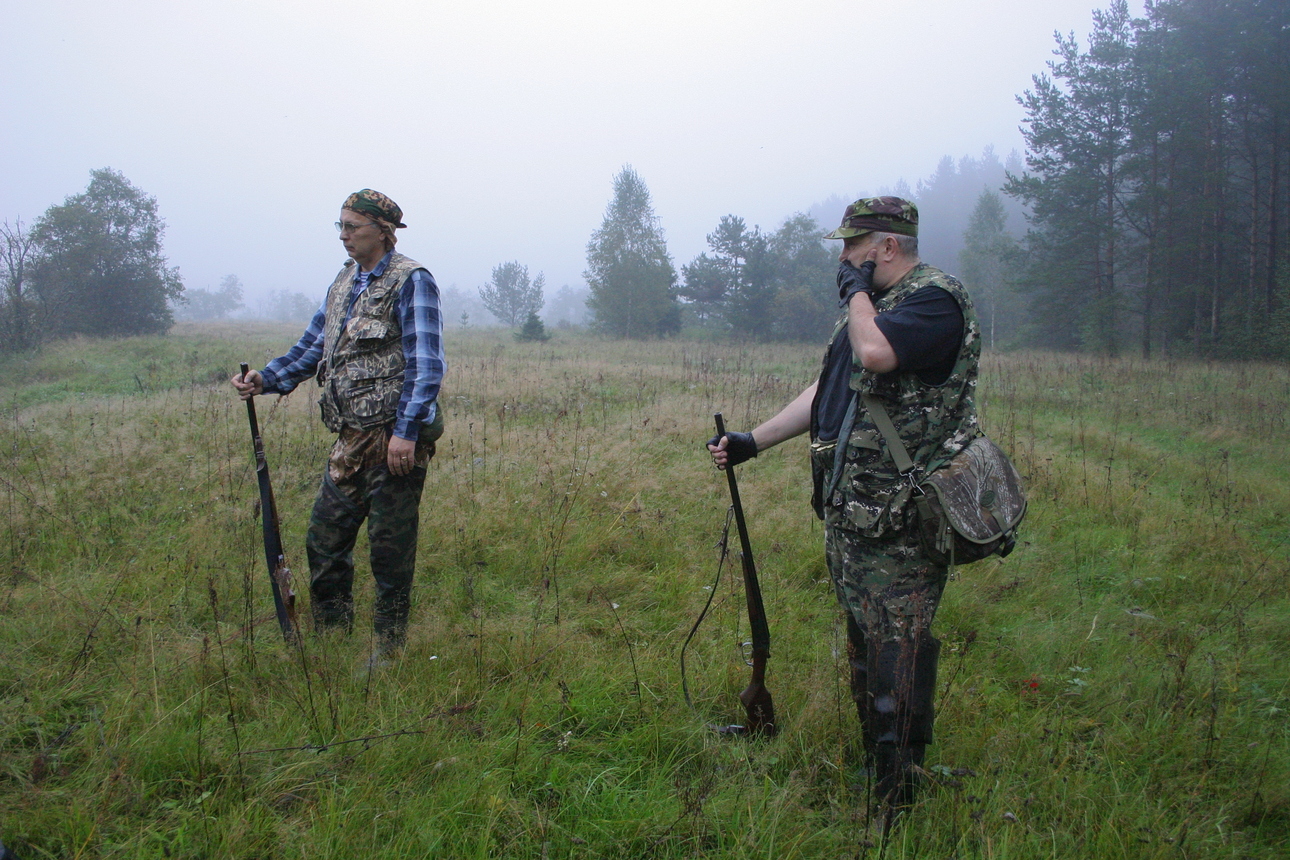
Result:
<point x="342" y="226"/>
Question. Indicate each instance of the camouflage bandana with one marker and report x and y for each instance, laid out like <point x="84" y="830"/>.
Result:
<point x="375" y="205"/>
<point x="883" y="214"/>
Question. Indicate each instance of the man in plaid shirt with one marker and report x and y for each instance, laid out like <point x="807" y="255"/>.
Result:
<point x="376" y="348"/>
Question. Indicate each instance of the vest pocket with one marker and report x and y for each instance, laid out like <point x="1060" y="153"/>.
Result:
<point x="870" y="492"/>
<point x="374" y="397"/>
<point x="866" y="439"/>
<point x="368" y="333"/>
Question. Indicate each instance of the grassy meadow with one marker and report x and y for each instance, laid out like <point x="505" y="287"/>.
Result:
<point x="1117" y="688"/>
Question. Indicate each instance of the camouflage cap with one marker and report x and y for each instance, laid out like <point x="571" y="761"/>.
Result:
<point x="884" y="214"/>
<point x="376" y="205"/>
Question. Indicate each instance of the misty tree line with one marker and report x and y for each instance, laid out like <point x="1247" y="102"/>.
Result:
<point x="565" y="308"/>
<point x="1157" y="184"/>
<point x="780" y="284"/>
<point x="750" y="284"/>
<point x="205" y="305"/>
<point x="93" y="265"/>
<point x="1154" y="186"/>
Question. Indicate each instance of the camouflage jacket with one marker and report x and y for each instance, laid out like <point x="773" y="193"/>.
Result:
<point x="361" y="372"/>
<point x="934" y="422"/>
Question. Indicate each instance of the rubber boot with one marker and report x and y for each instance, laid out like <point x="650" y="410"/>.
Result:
<point x="857" y="657"/>
<point x="902" y="682"/>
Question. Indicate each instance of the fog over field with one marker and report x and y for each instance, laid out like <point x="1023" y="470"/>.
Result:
<point x="498" y="127"/>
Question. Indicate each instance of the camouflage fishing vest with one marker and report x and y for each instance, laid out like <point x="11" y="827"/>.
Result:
<point x="361" y="372"/>
<point x="934" y="422"/>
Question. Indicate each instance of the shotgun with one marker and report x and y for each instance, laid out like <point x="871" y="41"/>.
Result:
<point x="284" y="598"/>
<point x="755" y="697"/>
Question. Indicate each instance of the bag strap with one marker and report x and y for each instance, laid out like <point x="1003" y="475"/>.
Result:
<point x="888" y="430"/>
<point x="882" y="420"/>
<point x="900" y="456"/>
<point x="840" y="447"/>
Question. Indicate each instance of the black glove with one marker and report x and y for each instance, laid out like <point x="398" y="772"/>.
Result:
<point x="740" y="447"/>
<point x="852" y="280"/>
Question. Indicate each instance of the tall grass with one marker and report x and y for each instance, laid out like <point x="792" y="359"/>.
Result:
<point x="1115" y="688"/>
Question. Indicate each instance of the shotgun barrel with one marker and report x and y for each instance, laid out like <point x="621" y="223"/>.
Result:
<point x="284" y="598"/>
<point x="756" y="698"/>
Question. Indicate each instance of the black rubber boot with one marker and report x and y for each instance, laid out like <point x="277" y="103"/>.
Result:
<point x="902" y="682"/>
<point x="857" y="657"/>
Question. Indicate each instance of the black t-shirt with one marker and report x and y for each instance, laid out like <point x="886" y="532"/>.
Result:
<point x="925" y="331"/>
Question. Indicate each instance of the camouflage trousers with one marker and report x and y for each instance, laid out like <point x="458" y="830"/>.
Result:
<point x="887" y="585"/>
<point x="358" y="487"/>
<point x="890" y="591"/>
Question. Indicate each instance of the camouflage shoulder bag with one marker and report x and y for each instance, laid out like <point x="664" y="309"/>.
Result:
<point x="969" y="508"/>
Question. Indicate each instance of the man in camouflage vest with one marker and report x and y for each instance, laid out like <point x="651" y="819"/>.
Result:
<point x="905" y="349"/>
<point x="376" y="348"/>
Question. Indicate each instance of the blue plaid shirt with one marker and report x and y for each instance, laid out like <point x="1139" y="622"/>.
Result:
<point x="422" y="350"/>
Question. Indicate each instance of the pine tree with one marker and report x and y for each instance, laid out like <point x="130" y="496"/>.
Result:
<point x="986" y="265"/>
<point x="750" y="295"/>
<point x="1079" y="142"/>
<point x="532" y="330"/>
<point x="946" y="199"/>
<point x="706" y="283"/>
<point x="1158" y="163"/>
<point x="804" y="273"/>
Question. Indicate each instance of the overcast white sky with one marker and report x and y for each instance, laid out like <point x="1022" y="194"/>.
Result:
<point x="498" y="126"/>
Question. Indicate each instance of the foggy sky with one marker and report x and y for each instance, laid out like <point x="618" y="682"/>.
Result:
<point x="498" y="127"/>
